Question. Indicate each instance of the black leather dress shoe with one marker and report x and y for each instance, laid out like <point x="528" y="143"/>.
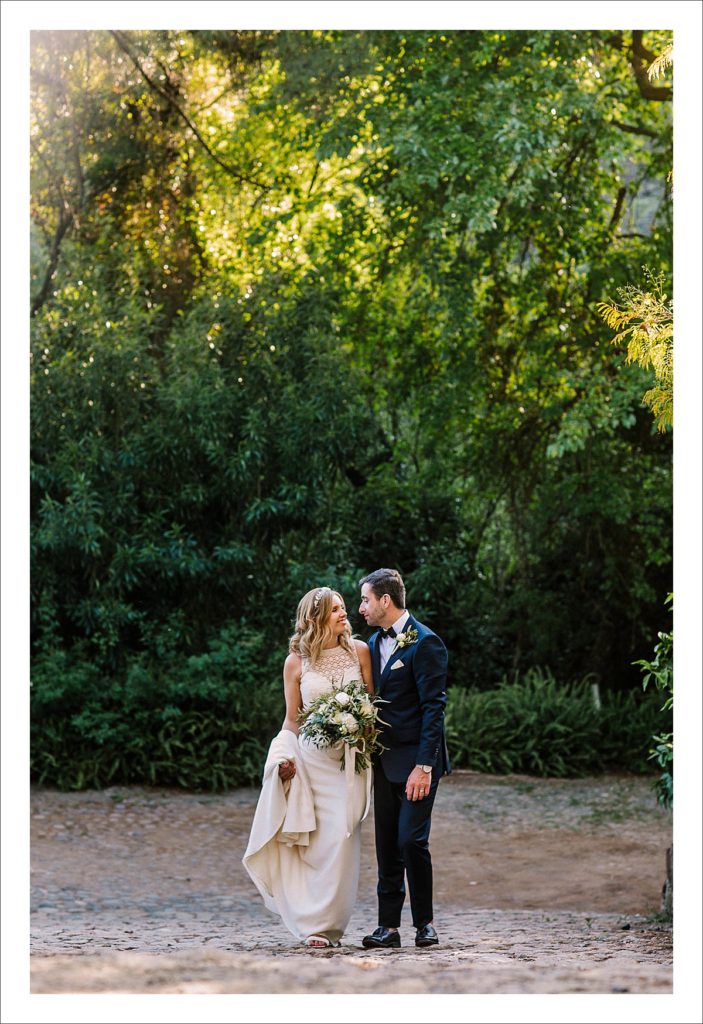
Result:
<point x="382" y="938"/>
<point x="426" y="936"/>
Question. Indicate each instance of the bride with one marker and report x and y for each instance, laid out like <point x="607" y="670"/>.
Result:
<point x="304" y="849"/>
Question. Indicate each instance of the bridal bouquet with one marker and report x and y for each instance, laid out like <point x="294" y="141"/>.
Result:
<point x="346" y="716"/>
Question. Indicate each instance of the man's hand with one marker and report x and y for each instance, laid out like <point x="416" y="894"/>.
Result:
<point x="286" y="770"/>
<point x="418" y="785"/>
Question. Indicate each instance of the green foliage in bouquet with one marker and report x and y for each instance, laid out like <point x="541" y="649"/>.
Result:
<point x="345" y="717"/>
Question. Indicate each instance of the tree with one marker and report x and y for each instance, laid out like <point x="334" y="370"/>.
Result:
<point x="288" y="286"/>
<point x="646" y="318"/>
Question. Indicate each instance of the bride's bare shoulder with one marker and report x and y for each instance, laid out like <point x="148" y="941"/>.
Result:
<point x="292" y="665"/>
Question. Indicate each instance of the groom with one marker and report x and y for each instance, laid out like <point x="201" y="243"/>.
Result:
<point x="409" y="671"/>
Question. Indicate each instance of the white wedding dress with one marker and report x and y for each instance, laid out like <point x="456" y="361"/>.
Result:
<point x="313" y="887"/>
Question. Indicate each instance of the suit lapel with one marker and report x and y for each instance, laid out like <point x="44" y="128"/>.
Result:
<point x="375" y="661"/>
<point x="397" y="652"/>
<point x="387" y="670"/>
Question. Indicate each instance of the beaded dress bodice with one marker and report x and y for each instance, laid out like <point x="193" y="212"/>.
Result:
<point x="333" y="667"/>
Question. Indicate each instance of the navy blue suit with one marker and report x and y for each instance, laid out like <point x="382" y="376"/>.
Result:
<point x="414" y="734"/>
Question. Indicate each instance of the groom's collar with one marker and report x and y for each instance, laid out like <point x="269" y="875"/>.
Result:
<point x="400" y="624"/>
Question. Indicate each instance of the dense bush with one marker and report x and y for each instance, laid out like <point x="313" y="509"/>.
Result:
<point x="659" y="672"/>
<point x="537" y="726"/>
<point x="202" y="722"/>
<point x="205" y="723"/>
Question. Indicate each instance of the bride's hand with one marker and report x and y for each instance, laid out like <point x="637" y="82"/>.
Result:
<point x="286" y="770"/>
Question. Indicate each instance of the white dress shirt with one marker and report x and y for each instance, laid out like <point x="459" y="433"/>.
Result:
<point x="387" y="643"/>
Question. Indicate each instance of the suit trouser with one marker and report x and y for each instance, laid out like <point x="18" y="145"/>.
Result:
<point x="402" y="847"/>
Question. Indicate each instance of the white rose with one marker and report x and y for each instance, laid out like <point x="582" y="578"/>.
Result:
<point x="366" y="709"/>
<point x="350" y="723"/>
<point x="338" y="718"/>
<point x="342" y="698"/>
<point x="400" y="638"/>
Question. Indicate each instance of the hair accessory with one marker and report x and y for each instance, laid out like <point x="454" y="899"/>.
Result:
<point x="317" y="597"/>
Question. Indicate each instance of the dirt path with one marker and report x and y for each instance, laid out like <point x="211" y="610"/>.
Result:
<point x="540" y="886"/>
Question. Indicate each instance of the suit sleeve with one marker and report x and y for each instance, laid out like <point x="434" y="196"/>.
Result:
<point x="430" y="667"/>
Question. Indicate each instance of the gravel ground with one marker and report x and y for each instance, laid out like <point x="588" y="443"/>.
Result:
<point x="542" y="886"/>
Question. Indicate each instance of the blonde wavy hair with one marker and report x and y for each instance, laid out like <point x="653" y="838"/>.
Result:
<point x="311" y="630"/>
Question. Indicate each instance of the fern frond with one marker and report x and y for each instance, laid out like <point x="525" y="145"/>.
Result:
<point x="661" y="403"/>
<point x="613" y="316"/>
<point x="645" y="325"/>
<point x="661" y="63"/>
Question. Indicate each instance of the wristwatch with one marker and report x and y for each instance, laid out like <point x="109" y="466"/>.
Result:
<point x="425" y="767"/>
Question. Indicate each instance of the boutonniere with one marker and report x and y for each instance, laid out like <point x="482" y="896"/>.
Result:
<point x="406" y="638"/>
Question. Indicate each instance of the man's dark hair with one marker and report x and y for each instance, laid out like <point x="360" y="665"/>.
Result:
<point x="386" y="581"/>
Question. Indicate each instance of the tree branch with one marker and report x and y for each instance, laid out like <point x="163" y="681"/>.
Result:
<point x="635" y="129"/>
<point x="314" y="176"/>
<point x="65" y="221"/>
<point x="639" y="59"/>
<point x="123" y="45"/>
<point x="617" y="212"/>
<point x="639" y="48"/>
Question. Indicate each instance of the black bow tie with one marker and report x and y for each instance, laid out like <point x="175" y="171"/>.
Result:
<point x="388" y="632"/>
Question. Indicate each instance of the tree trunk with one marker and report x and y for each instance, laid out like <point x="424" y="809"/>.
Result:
<point x="668" y="887"/>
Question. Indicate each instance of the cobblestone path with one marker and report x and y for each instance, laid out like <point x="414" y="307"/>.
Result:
<point x="542" y="886"/>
